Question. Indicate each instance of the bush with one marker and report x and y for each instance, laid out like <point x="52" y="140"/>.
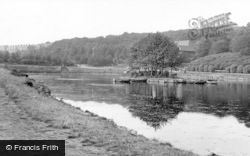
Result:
<point x="205" y="68"/>
<point x="190" y="68"/>
<point x="227" y="69"/>
<point x="196" y="68"/>
<point x="219" y="46"/>
<point x="216" y="66"/>
<point x="201" y="67"/>
<point x="233" y="68"/>
<point x="245" y="51"/>
<point x="140" y="73"/>
<point x="240" y="69"/>
<point x="211" y="68"/>
<point x="223" y="65"/>
<point x="147" y="73"/>
<point x="134" y="74"/>
<point x="165" y="73"/>
<point x="246" y="69"/>
<point x="173" y="75"/>
<point x="27" y="61"/>
<point x="221" y="61"/>
<point x="241" y="43"/>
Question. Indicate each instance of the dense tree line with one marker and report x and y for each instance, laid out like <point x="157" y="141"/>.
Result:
<point x="230" y="52"/>
<point x="32" y="58"/>
<point x="237" y="41"/>
<point x="113" y="50"/>
<point x="100" y="51"/>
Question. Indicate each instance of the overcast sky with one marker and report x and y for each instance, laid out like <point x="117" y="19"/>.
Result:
<point x="38" y="21"/>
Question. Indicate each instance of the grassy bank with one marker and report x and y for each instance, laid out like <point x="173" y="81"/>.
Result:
<point x="25" y="114"/>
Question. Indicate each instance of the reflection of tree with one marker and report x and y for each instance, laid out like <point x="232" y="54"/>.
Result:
<point x="157" y="104"/>
<point x="220" y="100"/>
<point x="153" y="107"/>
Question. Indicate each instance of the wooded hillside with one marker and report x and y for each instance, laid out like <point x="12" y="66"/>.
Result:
<point x="114" y="49"/>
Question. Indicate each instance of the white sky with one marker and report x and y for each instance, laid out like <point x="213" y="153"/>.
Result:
<point x="38" y="21"/>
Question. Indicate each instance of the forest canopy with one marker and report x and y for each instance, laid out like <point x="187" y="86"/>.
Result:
<point x="115" y="49"/>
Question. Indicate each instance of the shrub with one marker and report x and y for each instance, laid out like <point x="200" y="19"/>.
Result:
<point x="221" y="61"/>
<point x="246" y="69"/>
<point x="216" y="66"/>
<point x="233" y="68"/>
<point x="211" y="68"/>
<point x="241" y="43"/>
<point x="205" y="68"/>
<point x="165" y="73"/>
<point x="227" y="69"/>
<point x="191" y="68"/>
<point x="245" y="51"/>
<point x="196" y="68"/>
<point x="173" y="75"/>
<point x="223" y="65"/>
<point x="147" y="73"/>
<point x="219" y="46"/>
<point x="240" y="69"/>
<point x="201" y="67"/>
<point x="134" y="74"/>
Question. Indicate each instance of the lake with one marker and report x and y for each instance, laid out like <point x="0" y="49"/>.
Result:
<point x="198" y="118"/>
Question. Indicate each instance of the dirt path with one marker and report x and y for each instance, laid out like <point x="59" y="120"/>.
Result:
<point x="24" y="114"/>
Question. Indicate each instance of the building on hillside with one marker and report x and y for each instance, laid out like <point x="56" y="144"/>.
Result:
<point x="187" y="49"/>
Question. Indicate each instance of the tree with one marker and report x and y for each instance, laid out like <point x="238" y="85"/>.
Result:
<point x="6" y="56"/>
<point x="241" y="44"/>
<point x="245" y="51"/>
<point x="1" y="57"/>
<point x="248" y="24"/>
<point x="154" y="52"/>
<point x="15" y="57"/>
<point x="203" y="47"/>
<point x="219" y="46"/>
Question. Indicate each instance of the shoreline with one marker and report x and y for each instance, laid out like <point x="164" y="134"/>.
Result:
<point x="25" y="114"/>
<point x="230" y="77"/>
<point x="65" y="70"/>
<point x="118" y="71"/>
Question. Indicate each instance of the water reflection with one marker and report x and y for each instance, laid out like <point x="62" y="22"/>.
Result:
<point x="158" y="104"/>
<point x="202" y="118"/>
<point x="154" y="105"/>
<point x="197" y="132"/>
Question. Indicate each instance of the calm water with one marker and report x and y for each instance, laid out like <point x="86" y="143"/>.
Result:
<point x="199" y="118"/>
